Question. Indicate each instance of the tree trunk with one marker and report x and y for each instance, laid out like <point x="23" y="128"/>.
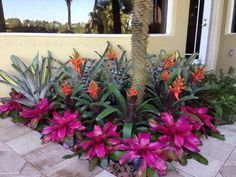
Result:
<point x="91" y="24"/>
<point x="2" y="19"/>
<point x="142" y="13"/>
<point x="68" y="3"/>
<point x="116" y="16"/>
<point x="154" y="11"/>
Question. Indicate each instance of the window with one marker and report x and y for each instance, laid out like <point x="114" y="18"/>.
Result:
<point x="233" y="27"/>
<point x="79" y="16"/>
<point x="159" y="16"/>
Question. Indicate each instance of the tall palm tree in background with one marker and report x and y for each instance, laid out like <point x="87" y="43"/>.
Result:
<point x="2" y="19"/>
<point x="116" y="16"/>
<point x="68" y="4"/>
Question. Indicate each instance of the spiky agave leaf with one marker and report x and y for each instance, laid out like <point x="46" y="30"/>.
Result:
<point x="9" y="78"/>
<point x="20" y="64"/>
<point x="33" y="81"/>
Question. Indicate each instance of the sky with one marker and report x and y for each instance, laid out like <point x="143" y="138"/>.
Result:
<point x="49" y="10"/>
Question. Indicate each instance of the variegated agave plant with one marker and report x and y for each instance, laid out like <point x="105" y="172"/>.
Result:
<point x="33" y="81"/>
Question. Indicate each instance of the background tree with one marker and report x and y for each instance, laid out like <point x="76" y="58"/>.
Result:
<point x="116" y="16"/>
<point x="68" y="4"/>
<point x="2" y="19"/>
<point x="14" y="25"/>
<point x="92" y="15"/>
<point x="110" y="16"/>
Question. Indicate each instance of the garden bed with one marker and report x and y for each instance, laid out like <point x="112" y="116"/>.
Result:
<point x="94" y="108"/>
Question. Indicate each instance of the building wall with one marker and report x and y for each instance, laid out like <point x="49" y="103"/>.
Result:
<point x="227" y="42"/>
<point x="26" y="46"/>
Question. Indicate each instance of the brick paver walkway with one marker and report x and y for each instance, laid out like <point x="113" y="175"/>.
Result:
<point x="23" y="155"/>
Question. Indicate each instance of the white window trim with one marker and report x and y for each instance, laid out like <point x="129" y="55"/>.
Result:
<point x="170" y="10"/>
<point x="230" y="16"/>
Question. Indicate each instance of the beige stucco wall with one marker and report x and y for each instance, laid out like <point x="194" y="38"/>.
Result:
<point x="227" y="42"/>
<point x="26" y="46"/>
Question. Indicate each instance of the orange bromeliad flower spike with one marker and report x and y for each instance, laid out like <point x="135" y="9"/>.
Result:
<point x="169" y="61"/>
<point x="93" y="89"/>
<point x="132" y="92"/>
<point x="165" y="75"/>
<point x="198" y="75"/>
<point x="66" y="89"/>
<point x="76" y="62"/>
<point x="112" y="54"/>
<point x="177" y="86"/>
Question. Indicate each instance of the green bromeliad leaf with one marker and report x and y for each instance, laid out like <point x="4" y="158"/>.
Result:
<point x="105" y="113"/>
<point x="104" y="163"/>
<point x="151" y="173"/>
<point x="198" y="157"/>
<point x="119" y="97"/>
<point x="93" y="163"/>
<point x="127" y="129"/>
<point x="116" y="155"/>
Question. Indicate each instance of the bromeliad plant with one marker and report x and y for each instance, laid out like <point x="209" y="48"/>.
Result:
<point x="62" y="127"/>
<point x="219" y="95"/>
<point x="33" y="81"/>
<point x="173" y="81"/>
<point x="90" y="106"/>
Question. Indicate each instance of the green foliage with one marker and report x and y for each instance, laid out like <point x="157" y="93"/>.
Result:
<point x="102" y="90"/>
<point x="41" y="26"/>
<point x="101" y="20"/>
<point x="117" y="70"/>
<point x="112" y="79"/>
<point x="220" y="95"/>
<point x="33" y="81"/>
<point x="158" y="90"/>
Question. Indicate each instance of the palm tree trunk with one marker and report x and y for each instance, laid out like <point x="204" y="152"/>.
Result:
<point x="142" y="13"/>
<point x="68" y="3"/>
<point x="2" y="19"/>
<point x="116" y="16"/>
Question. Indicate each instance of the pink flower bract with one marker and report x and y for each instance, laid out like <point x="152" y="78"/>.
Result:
<point x="101" y="140"/>
<point x="62" y="126"/>
<point x="179" y="134"/>
<point x="148" y="153"/>
<point x="9" y="106"/>
<point x="201" y="113"/>
<point x="36" y="113"/>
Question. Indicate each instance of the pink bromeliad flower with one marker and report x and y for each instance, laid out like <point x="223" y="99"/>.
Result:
<point x="37" y="112"/>
<point x="62" y="126"/>
<point x="101" y="140"/>
<point x="201" y="113"/>
<point x="178" y="134"/>
<point x="9" y="106"/>
<point x="148" y="153"/>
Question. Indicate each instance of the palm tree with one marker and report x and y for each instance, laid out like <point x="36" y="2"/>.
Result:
<point x="68" y="4"/>
<point x="142" y="11"/>
<point x="2" y="19"/>
<point x="116" y="16"/>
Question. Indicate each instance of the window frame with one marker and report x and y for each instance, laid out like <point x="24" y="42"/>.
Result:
<point x="231" y="14"/>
